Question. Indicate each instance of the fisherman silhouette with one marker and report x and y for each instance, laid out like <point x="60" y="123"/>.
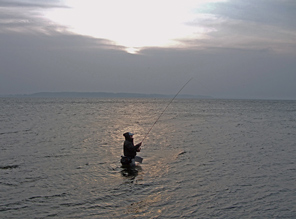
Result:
<point x="129" y="150"/>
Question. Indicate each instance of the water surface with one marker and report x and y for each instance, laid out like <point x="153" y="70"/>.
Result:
<point x="203" y="159"/>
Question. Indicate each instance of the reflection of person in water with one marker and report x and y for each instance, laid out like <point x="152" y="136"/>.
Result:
<point x="129" y="149"/>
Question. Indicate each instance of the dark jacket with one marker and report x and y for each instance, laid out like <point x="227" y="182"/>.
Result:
<point x="129" y="149"/>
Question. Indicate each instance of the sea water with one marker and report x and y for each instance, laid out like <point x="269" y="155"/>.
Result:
<point x="60" y="158"/>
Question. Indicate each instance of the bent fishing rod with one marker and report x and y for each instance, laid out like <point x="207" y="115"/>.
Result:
<point x="165" y="109"/>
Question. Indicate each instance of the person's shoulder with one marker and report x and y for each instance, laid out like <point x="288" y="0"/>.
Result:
<point x="126" y="142"/>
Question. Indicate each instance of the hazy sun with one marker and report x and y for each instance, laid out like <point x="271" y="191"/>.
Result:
<point x="133" y="24"/>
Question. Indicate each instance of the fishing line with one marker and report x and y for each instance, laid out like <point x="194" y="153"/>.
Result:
<point x="165" y="109"/>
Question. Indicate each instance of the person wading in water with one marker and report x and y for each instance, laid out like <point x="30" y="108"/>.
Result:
<point x="129" y="150"/>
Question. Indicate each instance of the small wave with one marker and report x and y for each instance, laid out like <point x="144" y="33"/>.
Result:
<point x="48" y="196"/>
<point x="182" y="152"/>
<point x="8" y="184"/>
<point x="5" y="133"/>
<point x="57" y="156"/>
<point x="9" y="167"/>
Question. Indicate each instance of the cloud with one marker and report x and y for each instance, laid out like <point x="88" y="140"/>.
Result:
<point x="248" y="25"/>
<point x="30" y="4"/>
<point x="268" y="12"/>
<point x="238" y="56"/>
<point x="24" y="16"/>
<point x="134" y="24"/>
<point x="61" y="62"/>
<point x="191" y="24"/>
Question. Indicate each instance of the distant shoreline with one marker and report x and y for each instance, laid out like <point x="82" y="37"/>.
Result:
<point x="105" y="95"/>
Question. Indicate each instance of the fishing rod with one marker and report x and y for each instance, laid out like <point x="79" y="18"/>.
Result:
<point x="165" y="109"/>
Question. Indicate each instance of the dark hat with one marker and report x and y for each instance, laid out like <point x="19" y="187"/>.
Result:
<point x="128" y="134"/>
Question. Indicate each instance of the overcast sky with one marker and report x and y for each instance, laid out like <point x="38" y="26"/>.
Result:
<point x="231" y="48"/>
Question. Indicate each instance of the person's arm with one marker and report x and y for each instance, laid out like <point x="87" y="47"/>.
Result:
<point x="130" y="146"/>
<point x="138" y="147"/>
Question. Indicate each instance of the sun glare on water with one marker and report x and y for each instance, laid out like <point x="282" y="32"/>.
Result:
<point x="133" y="24"/>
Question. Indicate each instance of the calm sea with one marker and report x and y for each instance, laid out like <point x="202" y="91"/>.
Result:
<point x="59" y="158"/>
